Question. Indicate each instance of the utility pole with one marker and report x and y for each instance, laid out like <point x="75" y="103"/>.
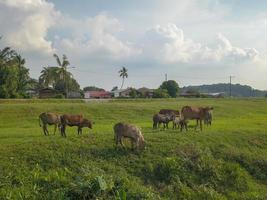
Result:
<point x="166" y="77"/>
<point x="231" y="85"/>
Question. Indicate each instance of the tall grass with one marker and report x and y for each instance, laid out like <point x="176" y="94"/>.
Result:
<point x="226" y="161"/>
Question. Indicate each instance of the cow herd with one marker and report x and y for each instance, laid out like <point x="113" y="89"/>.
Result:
<point x="124" y="130"/>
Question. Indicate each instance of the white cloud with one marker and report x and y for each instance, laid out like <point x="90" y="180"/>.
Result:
<point x="27" y="23"/>
<point x="172" y="46"/>
<point x="96" y="38"/>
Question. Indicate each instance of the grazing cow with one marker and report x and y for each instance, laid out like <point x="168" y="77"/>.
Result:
<point x="179" y="122"/>
<point x="169" y="112"/>
<point x="198" y="113"/>
<point x="48" y="118"/>
<point x="159" y="118"/>
<point x="128" y="131"/>
<point x="74" y="120"/>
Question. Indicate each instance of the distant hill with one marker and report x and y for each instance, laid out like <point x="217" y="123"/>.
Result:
<point x="237" y="90"/>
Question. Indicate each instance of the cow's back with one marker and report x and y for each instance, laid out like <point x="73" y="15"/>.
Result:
<point x="169" y="112"/>
<point x="49" y="118"/>
<point x="71" y="119"/>
<point x="189" y="112"/>
<point x="126" y="130"/>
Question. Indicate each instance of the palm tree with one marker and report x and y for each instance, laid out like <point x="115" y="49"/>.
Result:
<point x="49" y="76"/>
<point x="63" y="69"/>
<point x="123" y="73"/>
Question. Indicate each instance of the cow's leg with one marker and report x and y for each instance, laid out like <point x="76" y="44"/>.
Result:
<point x="200" y="124"/>
<point x="120" y="140"/>
<point x="55" y="129"/>
<point x="79" y="130"/>
<point x="44" y="129"/>
<point x="196" y="125"/>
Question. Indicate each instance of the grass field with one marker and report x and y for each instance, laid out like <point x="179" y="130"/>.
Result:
<point x="226" y="161"/>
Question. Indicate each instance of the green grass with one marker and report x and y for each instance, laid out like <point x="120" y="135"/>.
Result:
<point x="226" y="161"/>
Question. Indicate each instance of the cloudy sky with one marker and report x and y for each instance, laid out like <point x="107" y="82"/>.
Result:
<point x="193" y="41"/>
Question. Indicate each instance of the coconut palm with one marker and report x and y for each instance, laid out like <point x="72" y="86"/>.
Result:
<point x="123" y="73"/>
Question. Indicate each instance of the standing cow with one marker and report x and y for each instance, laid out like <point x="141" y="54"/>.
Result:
<point x="198" y="113"/>
<point x="48" y="118"/>
<point x="129" y="131"/>
<point x="161" y="119"/>
<point x="74" y="120"/>
<point x="179" y="122"/>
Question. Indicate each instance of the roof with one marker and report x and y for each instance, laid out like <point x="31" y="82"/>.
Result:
<point x="98" y="93"/>
<point x="120" y="90"/>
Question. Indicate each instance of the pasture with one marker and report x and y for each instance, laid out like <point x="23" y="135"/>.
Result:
<point x="225" y="161"/>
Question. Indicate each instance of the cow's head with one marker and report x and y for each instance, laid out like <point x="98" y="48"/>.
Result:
<point x="87" y="123"/>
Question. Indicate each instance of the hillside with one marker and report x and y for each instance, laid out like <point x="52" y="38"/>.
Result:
<point x="226" y="161"/>
<point x="237" y="90"/>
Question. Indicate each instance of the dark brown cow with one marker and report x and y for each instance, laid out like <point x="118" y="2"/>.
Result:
<point x="198" y="113"/>
<point x="48" y="118"/>
<point x="169" y="112"/>
<point x="159" y="118"/>
<point x="74" y="120"/>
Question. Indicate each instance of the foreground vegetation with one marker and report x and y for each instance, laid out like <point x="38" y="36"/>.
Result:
<point x="226" y="161"/>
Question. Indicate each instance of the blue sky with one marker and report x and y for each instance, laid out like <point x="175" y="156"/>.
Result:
<point x="194" y="42"/>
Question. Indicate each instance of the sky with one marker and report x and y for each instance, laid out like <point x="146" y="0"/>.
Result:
<point x="192" y="41"/>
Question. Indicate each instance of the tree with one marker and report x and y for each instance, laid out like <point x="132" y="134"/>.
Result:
<point x="123" y="73"/>
<point x="14" y="76"/>
<point x="114" y="88"/>
<point x="161" y="93"/>
<point x="62" y="72"/>
<point x="92" y="88"/>
<point x="171" y="86"/>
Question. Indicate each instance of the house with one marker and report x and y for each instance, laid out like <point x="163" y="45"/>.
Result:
<point x="97" y="95"/>
<point x="121" y="92"/>
<point x="46" y="93"/>
<point x="74" y="95"/>
<point x="146" y="92"/>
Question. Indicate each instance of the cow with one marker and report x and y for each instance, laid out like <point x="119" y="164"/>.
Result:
<point x="198" y="113"/>
<point x="159" y="118"/>
<point x="74" y="120"/>
<point x="179" y="122"/>
<point x="208" y="119"/>
<point x="169" y="112"/>
<point x="48" y="118"/>
<point x="129" y="131"/>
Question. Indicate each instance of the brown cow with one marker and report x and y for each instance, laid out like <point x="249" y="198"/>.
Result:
<point x="129" y="131"/>
<point x="48" y="118"/>
<point x="169" y="112"/>
<point x="74" y="120"/>
<point x="198" y="113"/>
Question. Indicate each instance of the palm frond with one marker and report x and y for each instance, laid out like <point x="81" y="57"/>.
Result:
<point x="57" y="59"/>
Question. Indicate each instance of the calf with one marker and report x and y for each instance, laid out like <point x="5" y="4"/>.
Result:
<point x="74" y="120"/>
<point x="159" y="118"/>
<point x="129" y="131"/>
<point x="48" y="118"/>
<point x="179" y="122"/>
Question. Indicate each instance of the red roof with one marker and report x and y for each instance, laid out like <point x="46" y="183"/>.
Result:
<point x="99" y="94"/>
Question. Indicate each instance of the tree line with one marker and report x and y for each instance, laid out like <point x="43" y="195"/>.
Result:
<point x="15" y="80"/>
